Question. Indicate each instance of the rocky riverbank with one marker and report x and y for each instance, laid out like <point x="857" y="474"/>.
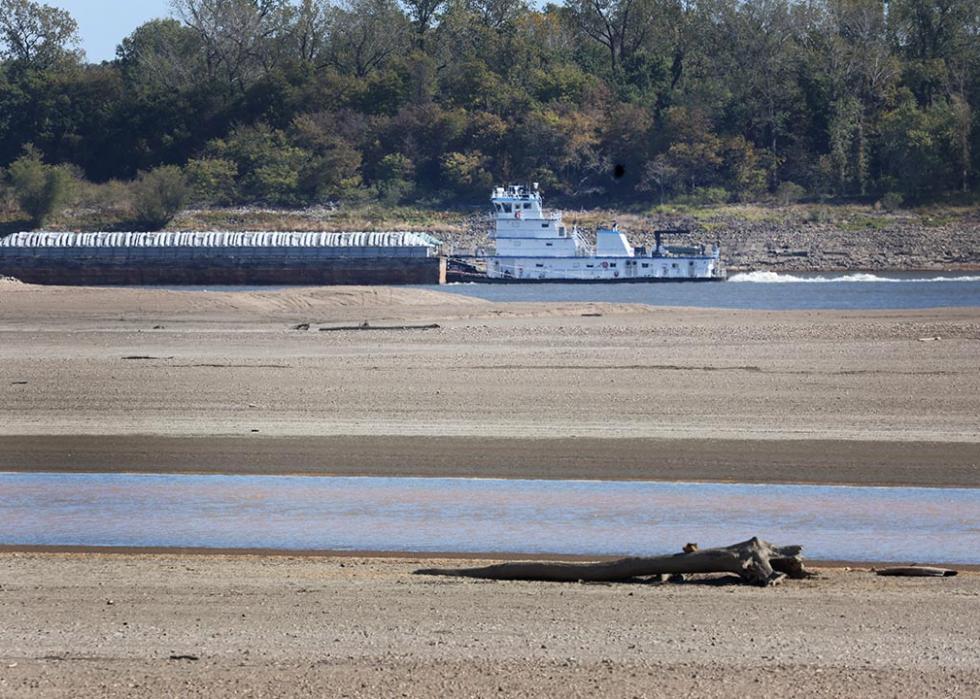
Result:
<point x="793" y="239"/>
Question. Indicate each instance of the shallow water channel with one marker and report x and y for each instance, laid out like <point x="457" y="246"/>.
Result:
<point x="466" y="515"/>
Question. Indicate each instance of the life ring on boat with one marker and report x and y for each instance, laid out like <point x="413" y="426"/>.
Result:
<point x="605" y="265"/>
<point x="517" y="214"/>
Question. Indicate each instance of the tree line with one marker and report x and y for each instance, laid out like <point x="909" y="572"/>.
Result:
<point x="297" y="102"/>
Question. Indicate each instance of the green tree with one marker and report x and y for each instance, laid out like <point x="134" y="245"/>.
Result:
<point x="211" y="180"/>
<point x="269" y="165"/>
<point x="41" y="190"/>
<point x="364" y="35"/>
<point x="465" y="173"/>
<point x="160" y="56"/>
<point x="917" y="146"/>
<point x="394" y="177"/>
<point x="37" y="35"/>
<point x="333" y="168"/>
<point x="621" y="27"/>
<point x="242" y="39"/>
<point x="159" y="195"/>
<point x="423" y="14"/>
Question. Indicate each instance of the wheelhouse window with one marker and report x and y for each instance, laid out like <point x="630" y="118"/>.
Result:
<point x="507" y="209"/>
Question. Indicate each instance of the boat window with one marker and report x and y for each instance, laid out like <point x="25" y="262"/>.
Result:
<point x="549" y="244"/>
<point x="507" y="208"/>
<point x="612" y="264"/>
<point x="645" y="265"/>
<point x="539" y="265"/>
<point x="674" y="265"/>
<point x="527" y="206"/>
<point x="590" y="266"/>
<point x="544" y="225"/>
<point x="499" y="207"/>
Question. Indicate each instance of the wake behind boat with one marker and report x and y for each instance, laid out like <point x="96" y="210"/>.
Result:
<point x="534" y="245"/>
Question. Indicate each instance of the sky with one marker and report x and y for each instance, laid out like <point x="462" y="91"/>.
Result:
<point x="103" y="24"/>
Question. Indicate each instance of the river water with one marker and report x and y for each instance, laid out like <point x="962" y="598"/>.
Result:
<point x="467" y="515"/>
<point x="757" y="290"/>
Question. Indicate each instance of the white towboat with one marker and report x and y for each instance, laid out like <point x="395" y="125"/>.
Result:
<point x="535" y="245"/>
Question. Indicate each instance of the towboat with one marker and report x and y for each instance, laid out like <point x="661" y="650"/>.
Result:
<point x="534" y="245"/>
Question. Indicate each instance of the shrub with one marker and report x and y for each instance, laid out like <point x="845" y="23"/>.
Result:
<point x="892" y="201"/>
<point x="41" y="190"/>
<point x="705" y="196"/>
<point x="789" y="193"/>
<point x="819" y="214"/>
<point x="212" y="180"/>
<point x="268" y="165"/>
<point x="159" y="195"/>
<point x="395" y="173"/>
<point x="465" y="173"/>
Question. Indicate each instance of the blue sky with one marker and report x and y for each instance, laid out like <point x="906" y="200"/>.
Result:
<point x="104" y="23"/>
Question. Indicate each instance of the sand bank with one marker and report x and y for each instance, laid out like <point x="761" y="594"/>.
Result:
<point x="150" y="380"/>
<point x="98" y="625"/>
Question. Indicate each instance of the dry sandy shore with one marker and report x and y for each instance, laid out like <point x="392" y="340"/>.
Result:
<point x="108" y="625"/>
<point x="101" y="379"/>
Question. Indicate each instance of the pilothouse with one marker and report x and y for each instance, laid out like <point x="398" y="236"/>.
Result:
<point x="536" y="245"/>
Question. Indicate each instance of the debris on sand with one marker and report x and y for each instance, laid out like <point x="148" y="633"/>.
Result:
<point x="368" y="326"/>
<point x="754" y="561"/>
<point x="918" y="572"/>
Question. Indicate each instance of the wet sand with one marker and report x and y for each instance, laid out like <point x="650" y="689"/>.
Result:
<point x="825" y="462"/>
<point x="136" y="625"/>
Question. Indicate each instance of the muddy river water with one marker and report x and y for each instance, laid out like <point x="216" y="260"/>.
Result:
<point x="466" y="515"/>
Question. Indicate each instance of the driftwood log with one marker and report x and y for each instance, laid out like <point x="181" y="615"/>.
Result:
<point x="755" y="561"/>
<point x="918" y="572"/>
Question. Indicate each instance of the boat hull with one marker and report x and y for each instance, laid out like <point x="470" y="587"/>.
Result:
<point x="473" y="278"/>
<point x="604" y="269"/>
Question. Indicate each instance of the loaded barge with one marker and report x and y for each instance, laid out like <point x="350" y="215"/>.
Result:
<point x="223" y="258"/>
<point x="534" y="245"/>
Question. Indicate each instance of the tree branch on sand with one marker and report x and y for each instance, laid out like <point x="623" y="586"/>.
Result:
<point x="755" y="561"/>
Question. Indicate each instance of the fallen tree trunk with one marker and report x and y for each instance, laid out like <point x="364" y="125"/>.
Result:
<point x="755" y="561"/>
